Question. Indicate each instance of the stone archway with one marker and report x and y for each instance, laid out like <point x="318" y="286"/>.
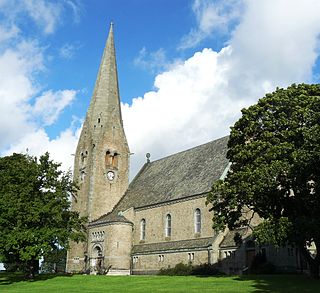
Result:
<point x="96" y="260"/>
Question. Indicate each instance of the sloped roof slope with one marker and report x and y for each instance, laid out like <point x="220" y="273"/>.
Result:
<point x="184" y="174"/>
<point x="111" y="217"/>
<point x="173" y="245"/>
<point x="229" y="238"/>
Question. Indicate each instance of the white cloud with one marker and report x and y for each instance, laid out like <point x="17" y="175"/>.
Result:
<point x="67" y="51"/>
<point x="50" y="104"/>
<point x="61" y="148"/>
<point x="152" y="61"/>
<point x="212" y="16"/>
<point x="8" y="32"/>
<point x="76" y="8"/>
<point x="24" y="108"/>
<point x="275" y="44"/>
<point x="189" y="107"/>
<point x="17" y="67"/>
<point x="44" y="13"/>
<point x="278" y="40"/>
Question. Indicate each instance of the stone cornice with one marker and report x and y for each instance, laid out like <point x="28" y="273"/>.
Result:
<point x="108" y="223"/>
<point x="173" y="250"/>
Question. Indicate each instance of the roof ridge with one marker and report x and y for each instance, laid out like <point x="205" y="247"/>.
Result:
<point x="187" y="150"/>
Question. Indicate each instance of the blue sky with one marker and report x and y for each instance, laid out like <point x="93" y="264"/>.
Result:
<point x="186" y="67"/>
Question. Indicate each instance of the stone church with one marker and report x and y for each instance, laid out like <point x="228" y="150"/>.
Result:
<point x="161" y="217"/>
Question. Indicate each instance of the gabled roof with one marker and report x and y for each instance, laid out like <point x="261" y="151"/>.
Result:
<point x="184" y="174"/>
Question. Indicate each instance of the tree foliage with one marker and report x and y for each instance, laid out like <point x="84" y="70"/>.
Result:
<point x="35" y="216"/>
<point x="274" y="149"/>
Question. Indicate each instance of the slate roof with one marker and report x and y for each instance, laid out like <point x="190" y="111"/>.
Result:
<point x="173" y="245"/>
<point x="111" y="218"/>
<point x="191" y="172"/>
<point x="184" y="174"/>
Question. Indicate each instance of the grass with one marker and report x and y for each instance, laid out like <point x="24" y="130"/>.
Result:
<point x="153" y="284"/>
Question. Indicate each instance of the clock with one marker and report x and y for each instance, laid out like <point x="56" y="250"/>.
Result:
<point x="110" y="175"/>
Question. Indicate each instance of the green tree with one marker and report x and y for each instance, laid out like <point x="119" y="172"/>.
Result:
<point x="274" y="149"/>
<point x="35" y="216"/>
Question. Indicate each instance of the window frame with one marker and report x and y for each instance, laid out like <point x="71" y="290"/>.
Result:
<point x="143" y="229"/>
<point x="168" y="229"/>
<point x="197" y="221"/>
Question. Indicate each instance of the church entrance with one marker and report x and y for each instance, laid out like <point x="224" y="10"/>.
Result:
<point x="250" y="252"/>
<point x="96" y="260"/>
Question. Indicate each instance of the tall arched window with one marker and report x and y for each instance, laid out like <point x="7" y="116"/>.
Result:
<point x="197" y="221"/>
<point x="143" y="229"/>
<point x="168" y="225"/>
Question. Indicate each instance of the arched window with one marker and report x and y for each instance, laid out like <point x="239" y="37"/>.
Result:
<point x="143" y="229"/>
<point x="168" y="225"/>
<point x="197" y="221"/>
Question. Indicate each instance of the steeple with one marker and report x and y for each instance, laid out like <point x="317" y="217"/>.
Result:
<point x="102" y="156"/>
<point x="105" y="97"/>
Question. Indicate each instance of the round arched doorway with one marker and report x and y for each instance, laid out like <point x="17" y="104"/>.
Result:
<point x="96" y="261"/>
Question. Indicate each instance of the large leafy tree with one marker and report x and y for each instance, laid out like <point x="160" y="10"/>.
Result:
<point x="274" y="149"/>
<point x="35" y="216"/>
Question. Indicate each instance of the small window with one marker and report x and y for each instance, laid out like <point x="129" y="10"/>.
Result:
<point x="82" y="175"/>
<point x="190" y="256"/>
<point x="143" y="229"/>
<point x="197" y="221"/>
<point x="168" y="225"/>
<point x="111" y="159"/>
<point x="98" y="120"/>
<point x="161" y="258"/>
<point x="108" y="158"/>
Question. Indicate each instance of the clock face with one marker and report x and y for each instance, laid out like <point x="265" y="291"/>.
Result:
<point x="110" y="175"/>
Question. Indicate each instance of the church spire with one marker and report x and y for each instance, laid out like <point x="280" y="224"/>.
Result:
<point x="106" y="99"/>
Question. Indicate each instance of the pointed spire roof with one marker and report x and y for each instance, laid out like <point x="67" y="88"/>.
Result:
<point x="106" y="99"/>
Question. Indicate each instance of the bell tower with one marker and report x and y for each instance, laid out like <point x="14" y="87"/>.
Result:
<point x="101" y="166"/>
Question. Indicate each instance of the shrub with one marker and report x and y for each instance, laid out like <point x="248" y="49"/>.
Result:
<point x="181" y="269"/>
<point x="206" y="270"/>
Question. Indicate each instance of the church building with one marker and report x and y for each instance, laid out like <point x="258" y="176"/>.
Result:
<point x="161" y="218"/>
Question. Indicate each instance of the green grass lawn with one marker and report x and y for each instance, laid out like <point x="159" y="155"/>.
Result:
<point x="151" y="284"/>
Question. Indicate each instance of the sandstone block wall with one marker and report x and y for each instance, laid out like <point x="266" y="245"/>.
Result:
<point x="182" y="221"/>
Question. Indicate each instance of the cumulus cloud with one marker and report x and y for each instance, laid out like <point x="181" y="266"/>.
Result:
<point x="275" y="44"/>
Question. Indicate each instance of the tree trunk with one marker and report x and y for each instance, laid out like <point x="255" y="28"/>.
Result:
<point x="314" y="270"/>
<point x="313" y="262"/>
<point x="31" y="269"/>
